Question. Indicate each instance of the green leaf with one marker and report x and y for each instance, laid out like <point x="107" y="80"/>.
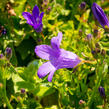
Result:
<point x="20" y="7"/>
<point x="20" y="83"/>
<point x="30" y="72"/>
<point x="44" y="90"/>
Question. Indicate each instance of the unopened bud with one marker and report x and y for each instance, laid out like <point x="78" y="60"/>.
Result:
<point x="80" y="32"/>
<point x="103" y="52"/>
<point x="89" y="36"/>
<point x="45" y="2"/>
<point x="93" y="52"/>
<point x="4" y="31"/>
<point x="49" y="9"/>
<point x="102" y="92"/>
<point x="1" y="56"/>
<point x="81" y="102"/>
<point x="22" y="90"/>
<point x="97" y="50"/>
<point x="82" y="5"/>
<point x="97" y="45"/>
<point x="95" y="32"/>
<point x="8" y="53"/>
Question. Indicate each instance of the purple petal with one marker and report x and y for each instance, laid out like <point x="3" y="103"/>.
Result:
<point x="35" y="11"/>
<point x="38" y="27"/>
<point x="45" y="69"/>
<point x="55" y="41"/>
<point x="67" y="59"/>
<point x="50" y="76"/>
<point x="100" y="15"/>
<point x="43" y="51"/>
<point x="41" y="16"/>
<point x="28" y="17"/>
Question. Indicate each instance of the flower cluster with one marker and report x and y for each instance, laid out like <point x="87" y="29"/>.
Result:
<point x="58" y="58"/>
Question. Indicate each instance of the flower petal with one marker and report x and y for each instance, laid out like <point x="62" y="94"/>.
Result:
<point x="100" y="15"/>
<point x="28" y="17"/>
<point x="41" y="16"/>
<point x="50" y="76"/>
<point x="38" y="27"/>
<point x="44" y="69"/>
<point x="35" y="11"/>
<point x="43" y="51"/>
<point x="67" y="59"/>
<point x="55" y="41"/>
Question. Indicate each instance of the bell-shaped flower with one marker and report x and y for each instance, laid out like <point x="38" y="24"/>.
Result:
<point x="100" y="15"/>
<point x="58" y="58"/>
<point x="34" y="19"/>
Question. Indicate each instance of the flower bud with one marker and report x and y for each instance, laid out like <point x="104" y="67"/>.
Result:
<point x="100" y="15"/>
<point x="93" y="52"/>
<point x="80" y="32"/>
<point x="22" y="90"/>
<point x="1" y="56"/>
<point x="89" y="36"/>
<point x="97" y="45"/>
<point x="4" y="31"/>
<point x="82" y="5"/>
<point x="103" y="52"/>
<point x="8" y="53"/>
<point x="45" y="2"/>
<point x="49" y="9"/>
<point x="95" y="32"/>
<point x="102" y="92"/>
<point x="97" y="50"/>
<point x="81" y="102"/>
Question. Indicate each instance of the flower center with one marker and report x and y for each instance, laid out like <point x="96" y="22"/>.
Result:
<point x="37" y="20"/>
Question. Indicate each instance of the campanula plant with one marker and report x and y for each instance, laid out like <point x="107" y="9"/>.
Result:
<point x="58" y="58"/>
<point x="100" y="15"/>
<point x="34" y="19"/>
<point x="75" y="79"/>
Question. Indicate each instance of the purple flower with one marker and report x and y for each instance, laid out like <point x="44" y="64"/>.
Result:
<point x="58" y="58"/>
<point x="100" y="15"/>
<point x="34" y="19"/>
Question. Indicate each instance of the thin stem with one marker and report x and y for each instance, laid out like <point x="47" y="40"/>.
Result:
<point x="4" y="90"/>
<point x="59" y="100"/>
<point x="42" y="35"/>
<point x="5" y="95"/>
<point x="97" y="83"/>
<point x="87" y="61"/>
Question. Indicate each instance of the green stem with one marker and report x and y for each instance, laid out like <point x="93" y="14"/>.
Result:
<point x="59" y="100"/>
<point x="97" y="84"/>
<point x="5" y="95"/>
